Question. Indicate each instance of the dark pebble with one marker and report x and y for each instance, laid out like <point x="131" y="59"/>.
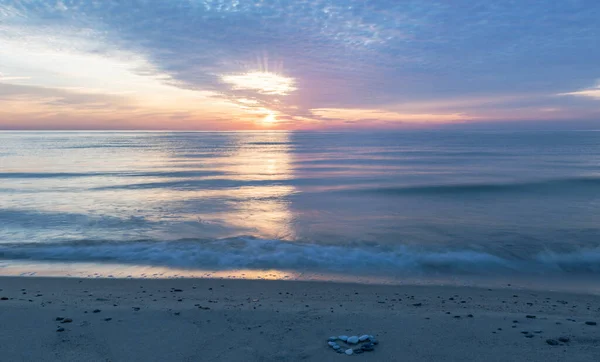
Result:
<point x="470" y="315"/>
<point x="4" y="298"/>
<point x="418" y="304"/>
<point x="108" y="319"/>
<point x="530" y="316"/>
<point x="97" y="311"/>
<point x="59" y="318"/>
<point x="590" y="323"/>
<point x="60" y="329"/>
<point x="136" y="308"/>
<point x="529" y="335"/>
<point x="552" y="342"/>
<point x="177" y="290"/>
<point x="67" y="320"/>
<point x="368" y="347"/>
<point x="564" y="339"/>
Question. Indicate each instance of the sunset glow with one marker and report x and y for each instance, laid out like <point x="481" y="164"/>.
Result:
<point x="299" y="65"/>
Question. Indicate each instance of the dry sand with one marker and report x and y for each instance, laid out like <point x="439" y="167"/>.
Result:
<point x="244" y="320"/>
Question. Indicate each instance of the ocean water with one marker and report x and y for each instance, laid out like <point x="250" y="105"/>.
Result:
<point x="390" y="205"/>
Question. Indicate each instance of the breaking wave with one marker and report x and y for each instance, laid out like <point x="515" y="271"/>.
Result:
<point x="254" y="253"/>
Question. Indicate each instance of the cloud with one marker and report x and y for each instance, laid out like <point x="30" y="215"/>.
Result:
<point x="307" y="63"/>
<point x="593" y="92"/>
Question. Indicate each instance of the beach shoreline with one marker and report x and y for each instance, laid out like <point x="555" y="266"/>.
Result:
<point x="261" y="320"/>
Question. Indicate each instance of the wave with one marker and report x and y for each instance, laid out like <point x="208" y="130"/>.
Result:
<point x="255" y="253"/>
<point x="554" y="185"/>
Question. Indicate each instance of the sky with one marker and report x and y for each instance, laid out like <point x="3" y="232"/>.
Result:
<point x="298" y="64"/>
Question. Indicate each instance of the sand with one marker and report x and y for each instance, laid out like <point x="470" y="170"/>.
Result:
<point x="245" y="320"/>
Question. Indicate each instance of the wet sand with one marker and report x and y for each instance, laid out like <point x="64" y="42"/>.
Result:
<point x="250" y="320"/>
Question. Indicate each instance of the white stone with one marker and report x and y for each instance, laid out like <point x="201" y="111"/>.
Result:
<point x="352" y="340"/>
<point x="336" y="347"/>
<point x="349" y="351"/>
<point x="364" y="337"/>
<point x="331" y="343"/>
<point x="343" y="338"/>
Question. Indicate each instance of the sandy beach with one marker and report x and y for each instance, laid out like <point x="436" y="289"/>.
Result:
<point x="63" y="319"/>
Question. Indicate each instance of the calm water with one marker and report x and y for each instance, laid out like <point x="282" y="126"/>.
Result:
<point x="421" y="204"/>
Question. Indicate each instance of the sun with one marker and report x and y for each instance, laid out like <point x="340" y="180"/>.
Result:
<point x="270" y="118"/>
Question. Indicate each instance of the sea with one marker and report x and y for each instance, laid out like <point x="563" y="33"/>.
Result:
<point x="460" y="207"/>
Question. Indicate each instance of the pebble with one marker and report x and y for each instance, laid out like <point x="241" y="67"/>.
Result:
<point x="530" y="316"/>
<point x="349" y="351"/>
<point x="96" y="311"/>
<point x="60" y="329"/>
<point x="590" y="323"/>
<point x="343" y="338"/>
<point x="332" y="344"/>
<point x="363" y="338"/>
<point x="352" y="340"/>
<point x="67" y="320"/>
<point x="373" y="340"/>
<point x="332" y="339"/>
<point x="108" y="319"/>
<point x="538" y="331"/>
<point x="367" y="347"/>
<point x="4" y="298"/>
<point x="564" y="339"/>
<point x="336" y="347"/>
<point x="59" y="318"/>
<point x="552" y="342"/>
<point x="529" y="335"/>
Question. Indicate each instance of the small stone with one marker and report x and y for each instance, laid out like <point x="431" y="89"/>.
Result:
<point x="4" y="298"/>
<point x="349" y="351"/>
<point x="343" y="338"/>
<point x="67" y="320"/>
<point x="363" y="338"/>
<point x="60" y="329"/>
<point x="470" y="315"/>
<point x="136" y="308"/>
<point x="332" y="339"/>
<point x="59" y="318"/>
<point x="108" y="319"/>
<point x="368" y="347"/>
<point x="525" y="332"/>
<point x="529" y="335"/>
<point x="331" y="344"/>
<point x="374" y="340"/>
<point x="336" y="347"/>
<point x="418" y="304"/>
<point x="96" y="311"/>
<point x="590" y="323"/>
<point x="352" y="340"/>
<point x="564" y="339"/>
<point x="552" y="342"/>
<point x="537" y="331"/>
<point x="530" y="316"/>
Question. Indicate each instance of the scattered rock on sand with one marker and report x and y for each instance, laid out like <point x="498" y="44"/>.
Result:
<point x="349" y="351"/>
<point x="552" y="342"/>
<point x="332" y="339"/>
<point x="363" y="338"/>
<point x="352" y="340"/>
<point x="343" y="338"/>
